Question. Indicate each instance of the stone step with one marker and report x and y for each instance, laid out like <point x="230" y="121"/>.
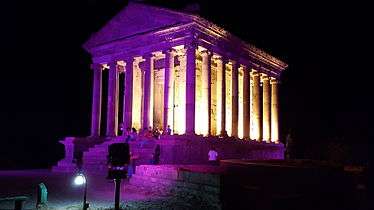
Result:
<point x="157" y="171"/>
<point x="174" y="173"/>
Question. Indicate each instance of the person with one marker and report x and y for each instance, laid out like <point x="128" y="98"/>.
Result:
<point x="128" y="139"/>
<point x="224" y="134"/>
<point x="121" y="127"/>
<point x="156" y="133"/>
<point x="212" y="157"/>
<point x="168" y="130"/>
<point x="148" y="132"/>
<point x="130" y="169"/>
<point x="133" y="134"/>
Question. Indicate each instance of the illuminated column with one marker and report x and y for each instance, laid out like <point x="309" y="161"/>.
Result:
<point x="221" y="67"/>
<point x="169" y="89"/>
<point x="256" y="121"/>
<point x="112" y="112"/>
<point x="274" y="111"/>
<point x="206" y="95"/>
<point x="96" y="99"/>
<point x="127" y="99"/>
<point x="246" y="102"/>
<point x="146" y="118"/>
<point x="235" y="104"/>
<point x="265" y="108"/>
<point x="190" y="87"/>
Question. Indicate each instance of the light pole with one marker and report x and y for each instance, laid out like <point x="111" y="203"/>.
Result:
<point x="80" y="179"/>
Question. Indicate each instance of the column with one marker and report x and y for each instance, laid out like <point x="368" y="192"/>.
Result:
<point x="274" y="111"/>
<point x="221" y="67"/>
<point x="147" y="91"/>
<point x="169" y="89"/>
<point x="96" y="99"/>
<point x="112" y="112"/>
<point x="190" y="87"/>
<point x="235" y="99"/>
<point x="127" y="99"/>
<point x="206" y="93"/>
<point x="265" y="108"/>
<point x="255" y="134"/>
<point x="246" y="102"/>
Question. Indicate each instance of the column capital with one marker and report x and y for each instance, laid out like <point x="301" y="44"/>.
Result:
<point x="273" y="81"/>
<point x="255" y="73"/>
<point x="233" y="62"/>
<point x="206" y="52"/>
<point x="264" y="77"/>
<point x="243" y="66"/>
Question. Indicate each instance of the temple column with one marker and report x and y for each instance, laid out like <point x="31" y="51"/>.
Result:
<point x="146" y="118"/>
<point x="265" y="108"/>
<point x="206" y="93"/>
<point x="274" y="111"/>
<point x="256" y="120"/>
<point x="127" y="99"/>
<point x="112" y="112"/>
<point x="190" y="87"/>
<point x="246" y="102"/>
<point x="235" y="99"/>
<point x="221" y="67"/>
<point x="169" y="89"/>
<point x="96" y="99"/>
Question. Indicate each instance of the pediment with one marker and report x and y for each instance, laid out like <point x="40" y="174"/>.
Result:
<point x="136" y="18"/>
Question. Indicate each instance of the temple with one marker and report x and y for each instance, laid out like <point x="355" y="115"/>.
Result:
<point x="183" y="71"/>
<point x="179" y="70"/>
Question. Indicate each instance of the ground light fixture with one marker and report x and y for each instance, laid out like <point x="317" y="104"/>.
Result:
<point x="79" y="180"/>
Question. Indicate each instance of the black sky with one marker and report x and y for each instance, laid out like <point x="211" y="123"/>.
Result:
<point x="45" y="80"/>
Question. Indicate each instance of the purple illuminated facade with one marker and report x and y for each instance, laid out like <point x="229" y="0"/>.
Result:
<point x="182" y="71"/>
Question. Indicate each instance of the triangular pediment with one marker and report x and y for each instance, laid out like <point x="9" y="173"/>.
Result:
<point x="136" y="18"/>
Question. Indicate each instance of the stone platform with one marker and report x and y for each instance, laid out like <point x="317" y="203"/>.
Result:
<point x="191" y="183"/>
<point x="173" y="150"/>
<point x="244" y="184"/>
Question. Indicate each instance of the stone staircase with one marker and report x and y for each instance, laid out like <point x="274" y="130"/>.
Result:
<point x="95" y="158"/>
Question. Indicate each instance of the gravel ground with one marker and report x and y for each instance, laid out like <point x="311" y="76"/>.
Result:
<point x="62" y="194"/>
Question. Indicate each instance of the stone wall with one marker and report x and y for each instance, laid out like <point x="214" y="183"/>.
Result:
<point x="194" y="150"/>
<point x="201" y="188"/>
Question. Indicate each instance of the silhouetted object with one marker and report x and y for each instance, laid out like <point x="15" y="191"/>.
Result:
<point x="118" y="161"/>
<point x="42" y="197"/>
<point x="118" y="157"/>
<point x="289" y="145"/>
<point x="156" y="155"/>
<point x="130" y="169"/>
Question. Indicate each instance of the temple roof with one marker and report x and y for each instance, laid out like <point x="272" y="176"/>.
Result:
<point x="134" y="19"/>
<point x="138" y="18"/>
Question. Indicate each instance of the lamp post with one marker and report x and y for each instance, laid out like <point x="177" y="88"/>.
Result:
<point x="80" y="179"/>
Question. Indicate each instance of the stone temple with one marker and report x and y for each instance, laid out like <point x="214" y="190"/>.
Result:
<point x="171" y="68"/>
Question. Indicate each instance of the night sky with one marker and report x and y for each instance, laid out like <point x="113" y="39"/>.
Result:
<point x="45" y="80"/>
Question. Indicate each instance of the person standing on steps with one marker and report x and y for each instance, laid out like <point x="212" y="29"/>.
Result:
<point x="212" y="157"/>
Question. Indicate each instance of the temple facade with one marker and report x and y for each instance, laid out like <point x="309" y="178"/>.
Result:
<point x="182" y="71"/>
